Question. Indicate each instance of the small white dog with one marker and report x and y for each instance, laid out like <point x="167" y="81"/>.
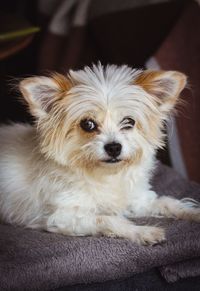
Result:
<point x="84" y="168"/>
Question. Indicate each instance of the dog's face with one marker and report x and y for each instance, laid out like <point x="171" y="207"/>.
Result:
<point x="106" y="118"/>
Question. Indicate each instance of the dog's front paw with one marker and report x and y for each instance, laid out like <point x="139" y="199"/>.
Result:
<point x="150" y="235"/>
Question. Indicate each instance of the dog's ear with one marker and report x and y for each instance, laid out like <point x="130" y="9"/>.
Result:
<point x="165" y="86"/>
<point x="41" y="93"/>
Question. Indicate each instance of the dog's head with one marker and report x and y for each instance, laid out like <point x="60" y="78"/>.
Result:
<point x="102" y="117"/>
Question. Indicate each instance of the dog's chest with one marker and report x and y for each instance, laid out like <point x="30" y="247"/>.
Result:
<point x="104" y="198"/>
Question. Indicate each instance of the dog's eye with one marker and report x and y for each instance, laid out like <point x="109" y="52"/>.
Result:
<point x="88" y="125"/>
<point x="127" y="123"/>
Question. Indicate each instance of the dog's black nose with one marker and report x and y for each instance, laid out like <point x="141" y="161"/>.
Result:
<point x="113" y="149"/>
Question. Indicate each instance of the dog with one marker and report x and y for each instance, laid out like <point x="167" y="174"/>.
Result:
<point x="84" y="167"/>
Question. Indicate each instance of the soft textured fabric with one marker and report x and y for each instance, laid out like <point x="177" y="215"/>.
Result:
<point x="181" y="270"/>
<point x="35" y="260"/>
<point x="145" y="281"/>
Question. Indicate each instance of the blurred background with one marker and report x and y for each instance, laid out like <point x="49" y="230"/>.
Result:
<point x="57" y="35"/>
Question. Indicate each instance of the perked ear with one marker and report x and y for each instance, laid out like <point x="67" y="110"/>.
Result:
<point x="41" y="92"/>
<point x="164" y="85"/>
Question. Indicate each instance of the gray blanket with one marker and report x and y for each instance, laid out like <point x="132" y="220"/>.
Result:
<point x="181" y="270"/>
<point x="34" y="260"/>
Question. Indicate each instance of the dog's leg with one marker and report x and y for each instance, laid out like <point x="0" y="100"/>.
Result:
<point x="69" y="223"/>
<point x="187" y="208"/>
<point x="150" y="204"/>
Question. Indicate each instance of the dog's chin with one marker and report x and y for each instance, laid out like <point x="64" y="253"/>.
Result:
<point x="112" y="161"/>
<point x="112" y="165"/>
<point x="103" y="167"/>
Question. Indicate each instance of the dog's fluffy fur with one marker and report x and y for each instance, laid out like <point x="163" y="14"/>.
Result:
<point x="57" y="176"/>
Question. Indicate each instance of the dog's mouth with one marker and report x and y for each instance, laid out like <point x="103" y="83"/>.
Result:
<point x="112" y="161"/>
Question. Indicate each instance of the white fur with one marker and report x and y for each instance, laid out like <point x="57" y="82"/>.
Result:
<point x="41" y="186"/>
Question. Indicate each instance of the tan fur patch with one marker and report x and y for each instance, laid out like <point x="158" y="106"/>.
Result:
<point x="135" y="159"/>
<point x="154" y="134"/>
<point x="62" y="81"/>
<point x="99" y="220"/>
<point x="146" y="78"/>
<point x="162" y="83"/>
<point x="87" y="135"/>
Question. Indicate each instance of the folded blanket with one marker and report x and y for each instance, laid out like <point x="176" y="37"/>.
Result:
<point x="181" y="270"/>
<point x="35" y="260"/>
